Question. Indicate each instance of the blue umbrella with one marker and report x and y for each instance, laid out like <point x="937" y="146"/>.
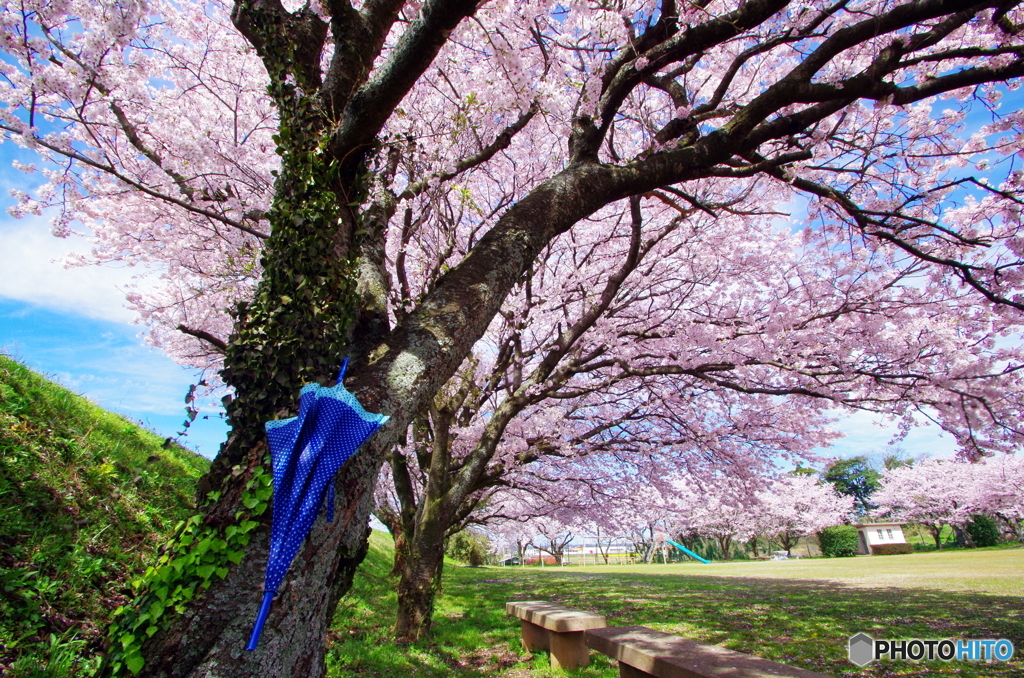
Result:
<point x="306" y="452"/>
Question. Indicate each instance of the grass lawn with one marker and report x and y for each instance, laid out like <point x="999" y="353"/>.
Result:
<point x="796" y="612"/>
<point x="998" y="570"/>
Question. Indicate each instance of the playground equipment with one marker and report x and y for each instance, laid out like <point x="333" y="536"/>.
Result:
<point x="687" y="551"/>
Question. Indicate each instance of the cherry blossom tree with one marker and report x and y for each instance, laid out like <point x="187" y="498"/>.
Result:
<point x="933" y="493"/>
<point x="375" y="179"/>
<point x="999" y="491"/>
<point x="798" y="506"/>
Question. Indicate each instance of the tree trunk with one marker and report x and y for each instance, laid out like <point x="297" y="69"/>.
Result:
<point x="401" y="548"/>
<point x="209" y="640"/>
<point x="724" y="542"/>
<point x="417" y="590"/>
<point x="787" y="540"/>
<point x="963" y="537"/>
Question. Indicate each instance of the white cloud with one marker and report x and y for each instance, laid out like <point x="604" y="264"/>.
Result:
<point x="866" y="434"/>
<point x="32" y="272"/>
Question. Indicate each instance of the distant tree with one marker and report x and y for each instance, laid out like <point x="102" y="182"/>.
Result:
<point x="469" y="546"/>
<point x="838" y="541"/>
<point x="855" y="478"/>
<point x="999" y="491"/>
<point x="933" y="493"/>
<point x="802" y="470"/>
<point x="799" y="506"/>
<point x="896" y="460"/>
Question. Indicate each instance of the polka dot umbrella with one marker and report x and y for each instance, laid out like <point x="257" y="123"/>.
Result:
<point x="306" y="452"/>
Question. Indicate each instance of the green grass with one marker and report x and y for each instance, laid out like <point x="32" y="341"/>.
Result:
<point x="85" y="498"/>
<point x="796" y="612"/>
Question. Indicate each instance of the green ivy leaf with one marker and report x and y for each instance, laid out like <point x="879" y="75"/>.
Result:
<point x="135" y="664"/>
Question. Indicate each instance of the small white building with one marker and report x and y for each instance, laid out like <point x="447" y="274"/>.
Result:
<point x="874" y="534"/>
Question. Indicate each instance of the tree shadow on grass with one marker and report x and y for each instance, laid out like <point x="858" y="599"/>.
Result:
<point x="801" y="622"/>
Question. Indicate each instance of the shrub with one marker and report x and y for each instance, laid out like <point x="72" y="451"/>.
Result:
<point x="468" y="547"/>
<point x="983" y="531"/>
<point x="839" y="541"/>
<point x="891" y="549"/>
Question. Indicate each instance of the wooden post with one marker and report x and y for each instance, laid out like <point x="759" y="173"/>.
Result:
<point x="535" y="637"/>
<point x="568" y="650"/>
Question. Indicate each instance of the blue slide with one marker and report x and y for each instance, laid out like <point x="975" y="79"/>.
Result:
<point x="688" y="552"/>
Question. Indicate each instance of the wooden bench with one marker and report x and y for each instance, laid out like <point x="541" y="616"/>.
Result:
<point x="644" y="652"/>
<point x="549" y="626"/>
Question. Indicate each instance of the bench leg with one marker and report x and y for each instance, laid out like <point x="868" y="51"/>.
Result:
<point x="627" y="671"/>
<point x="568" y="650"/>
<point x="534" y="637"/>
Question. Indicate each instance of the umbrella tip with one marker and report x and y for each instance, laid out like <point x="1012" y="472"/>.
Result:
<point x="261" y="617"/>
<point x="341" y="372"/>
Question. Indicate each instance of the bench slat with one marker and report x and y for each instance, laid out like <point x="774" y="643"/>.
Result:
<point x="669" y="656"/>
<point x="554" y="617"/>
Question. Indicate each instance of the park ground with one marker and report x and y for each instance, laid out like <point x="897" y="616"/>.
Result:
<point x="797" y="612"/>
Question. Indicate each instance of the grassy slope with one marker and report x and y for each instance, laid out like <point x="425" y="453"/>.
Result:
<point x="800" y="612"/>
<point x="85" y="498"/>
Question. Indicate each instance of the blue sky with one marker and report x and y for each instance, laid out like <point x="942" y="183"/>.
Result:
<point x="71" y="325"/>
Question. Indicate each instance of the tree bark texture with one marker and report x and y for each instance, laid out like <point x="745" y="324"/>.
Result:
<point x="417" y="590"/>
<point x="209" y="640"/>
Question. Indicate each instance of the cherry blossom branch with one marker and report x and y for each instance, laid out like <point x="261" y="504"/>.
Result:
<point x="114" y="172"/>
<point x="500" y="143"/>
<point x="372" y="105"/>
<point x="219" y="344"/>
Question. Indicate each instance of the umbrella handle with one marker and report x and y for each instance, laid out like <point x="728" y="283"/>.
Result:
<point x="261" y="617"/>
<point x="341" y="372"/>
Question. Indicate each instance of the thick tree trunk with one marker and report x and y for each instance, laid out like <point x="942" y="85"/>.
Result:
<point x="209" y="640"/>
<point x="417" y="590"/>
<point x="963" y="537"/>
<point x="787" y="540"/>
